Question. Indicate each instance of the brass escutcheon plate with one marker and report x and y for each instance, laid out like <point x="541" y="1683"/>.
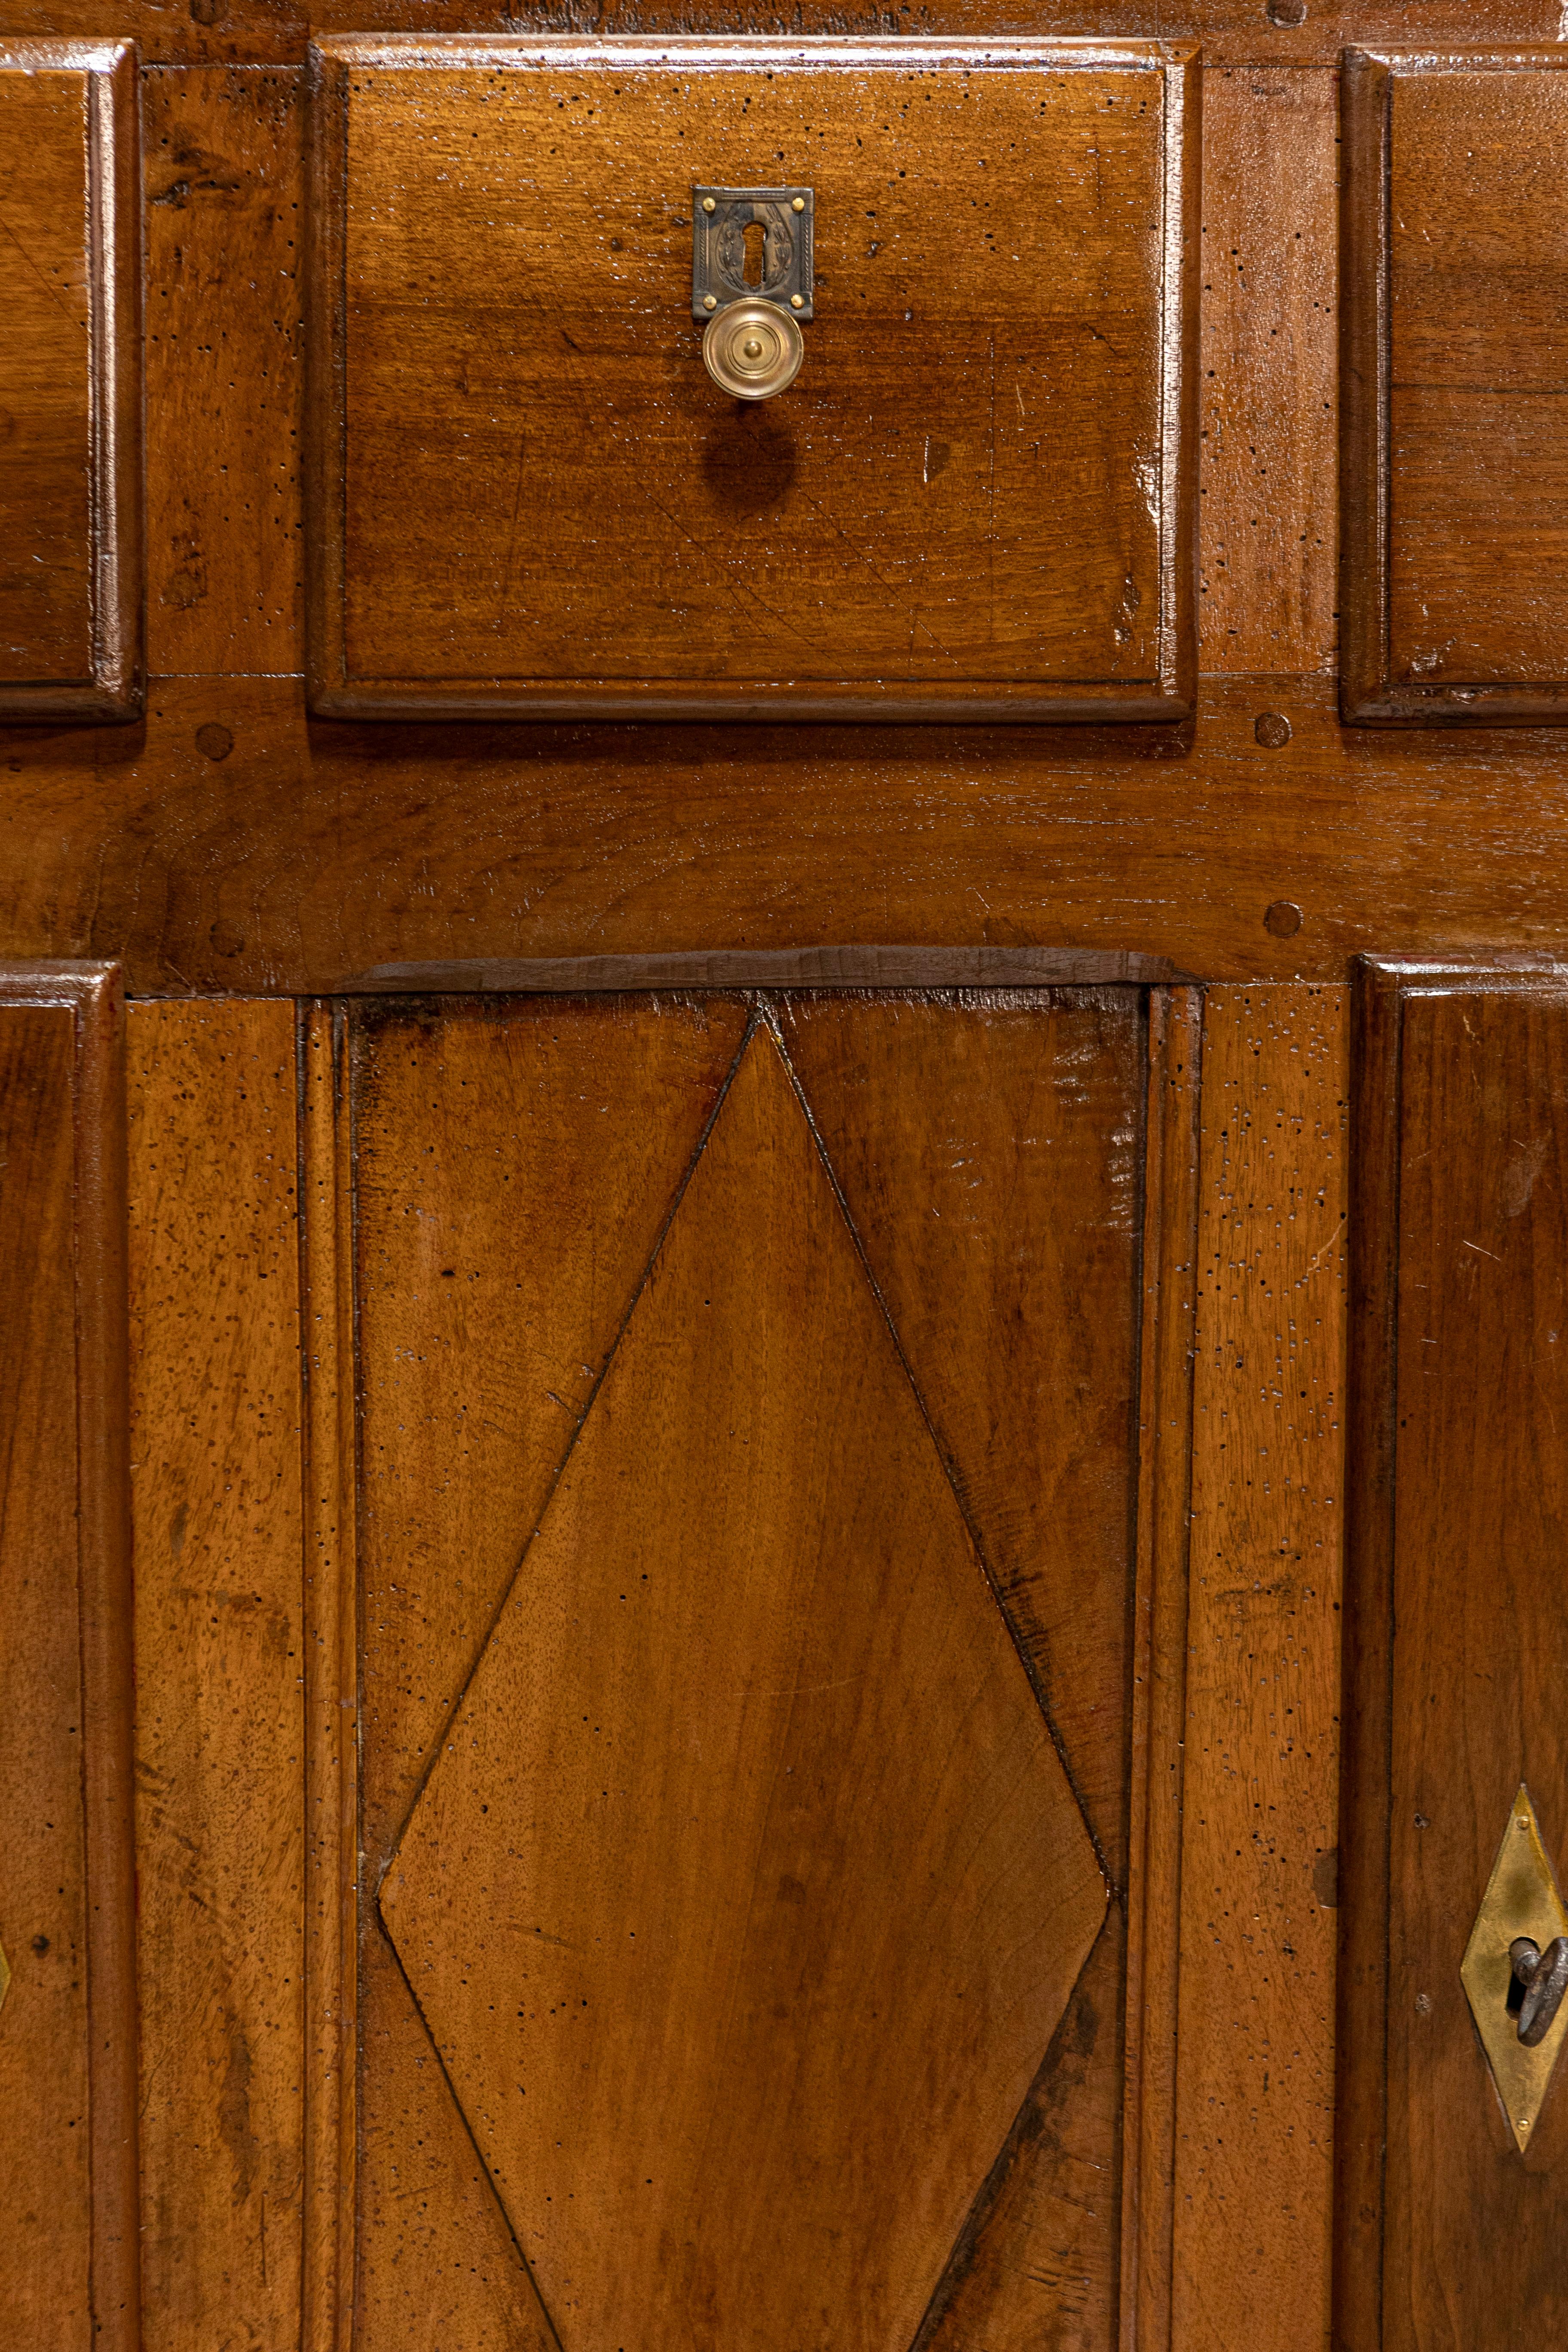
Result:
<point x="766" y="232"/>
<point x="1521" y="1899"/>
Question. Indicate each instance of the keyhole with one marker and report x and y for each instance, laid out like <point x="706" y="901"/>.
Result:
<point x="756" y="253"/>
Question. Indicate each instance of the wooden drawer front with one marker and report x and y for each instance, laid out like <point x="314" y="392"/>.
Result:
<point x="1456" y="468"/>
<point x="69" y="404"/>
<point x="972" y="500"/>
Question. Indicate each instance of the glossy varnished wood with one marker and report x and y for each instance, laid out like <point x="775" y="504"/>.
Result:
<point x="331" y="1677"/>
<point x="975" y="501"/>
<point x="1234" y="32"/>
<point x="70" y="460"/>
<point x="311" y="854"/>
<point x="1455" y="358"/>
<point x="740" y="2017"/>
<point x="572" y="1124"/>
<point x="1269" y="337"/>
<point x="1256" y="2056"/>
<point x="1454" y="1640"/>
<point x="226" y="241"/>
<point x="990" y="1148"/>
<point x="991" y="1151"/>
<point x="218" y="1550"/>
<point x="1158" y="1707"/>
<point x="68" y="2020"/>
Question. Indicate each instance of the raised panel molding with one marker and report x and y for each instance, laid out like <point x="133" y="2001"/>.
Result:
<point x="1454" y="358"/>
<point x="70" y="381"/>
<point x="977" y="501"/>
<point x="1456" y="1636"/>
<point x="69" y="2184"/>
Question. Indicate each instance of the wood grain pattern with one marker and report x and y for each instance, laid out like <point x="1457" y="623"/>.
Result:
<point x="68" y="2039"/>
<point x="224" y="245"/>
<point x="1157" y="1715"/>
<point x="1036" y="2262"/>
<point x="70" y="594"/>
<point x="315" y="853"/>
<point x="215" y="1289"/>
<point x="976" y="497"/>
<point x="843" y="1913"/>
<point x="990" y="1148"/>
<point x="1458" y="1238"/>
<point x="330" y="1679"/>
<point x="1255" y="2066"/>
<point x="1233" y="32"/>
<point x="1268" y="391"/>
<point x="1455" y="359"/>
<point x="574" y="1124"/>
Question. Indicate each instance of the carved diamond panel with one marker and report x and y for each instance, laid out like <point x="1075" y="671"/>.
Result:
<point x="747" y="1888"/>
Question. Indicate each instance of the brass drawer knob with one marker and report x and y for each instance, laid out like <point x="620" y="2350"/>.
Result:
<point x="754" y="349"/>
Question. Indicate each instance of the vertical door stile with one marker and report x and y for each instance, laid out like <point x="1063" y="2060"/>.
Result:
<point x="1159" y="1658"/>
<point x="67" y="1977"/>
<point x="1254" y="2063"/>
<point x="328" y="1444"/>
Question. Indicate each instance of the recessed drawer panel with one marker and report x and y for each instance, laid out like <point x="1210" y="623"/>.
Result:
<point x="535" y="498"/>
<point x="71" y="588"/>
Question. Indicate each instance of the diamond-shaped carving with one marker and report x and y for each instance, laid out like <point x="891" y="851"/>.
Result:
<point x="1521" y="1899"/>
<point x="747" y="1888"/>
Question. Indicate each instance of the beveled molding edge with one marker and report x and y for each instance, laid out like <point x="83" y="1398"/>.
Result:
<point x="1167" y="699"/>
<point x="1369" y="696"/>
<point x="1167" y="1362"/>
<point x="115" y="691"/>
<point x="844" y="967"/>
<point x="92" y="994"/>
<point x="1382" y="985"/>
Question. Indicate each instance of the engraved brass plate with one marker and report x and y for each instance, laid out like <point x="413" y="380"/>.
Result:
<point x="751" y="242"/>
<point x="1521" y="1899"/>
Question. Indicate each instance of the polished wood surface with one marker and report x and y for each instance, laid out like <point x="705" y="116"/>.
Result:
<point x="67" y="1987"/>
<point x="1455" y="359"/>
<point x="1012" y="1211"/>
<point x="1233" y="32"/>
<point x="918" y="904"/>
<point x="71" y="466"/>
<point x="224" y="160"/>
<point x="572" y="1124"/>
<point x="977" y="496"/>
<point x="1268" y="458"/>
<point x="1158" y="1710"/>
<point x="233" y="845"/>
<point x="838" y="1915"/>
<point x="216" y="1412"/>
<point x="1256" y="2063"/>
<point x="1046" y="2224"/>
<point x="1456" y="1639"/>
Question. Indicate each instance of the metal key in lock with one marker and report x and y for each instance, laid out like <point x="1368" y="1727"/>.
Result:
<point x="1544" y="1975"/>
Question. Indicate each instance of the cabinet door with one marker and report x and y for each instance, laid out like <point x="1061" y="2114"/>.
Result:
<point x="733" y="1774"/>
<point x="1453" y="2123"/>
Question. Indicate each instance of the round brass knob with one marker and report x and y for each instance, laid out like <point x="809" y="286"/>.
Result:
<point x="753" y="350"/>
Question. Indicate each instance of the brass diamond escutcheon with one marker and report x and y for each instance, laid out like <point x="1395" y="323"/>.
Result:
<point x="1521" y="1899"/>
